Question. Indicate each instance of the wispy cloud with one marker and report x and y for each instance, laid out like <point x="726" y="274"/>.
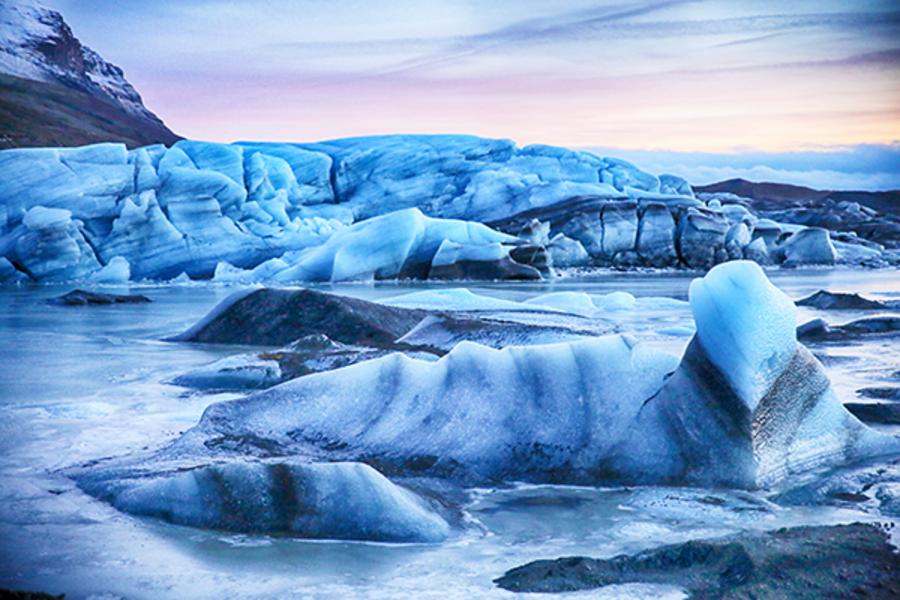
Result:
<point x="688" y="74"/>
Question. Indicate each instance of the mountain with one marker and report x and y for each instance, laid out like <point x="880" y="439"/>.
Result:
<point x="56" y="91"/>
<point x="781" y="196"/>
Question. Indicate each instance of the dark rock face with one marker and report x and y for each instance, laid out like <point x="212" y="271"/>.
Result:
<point x="802" y="562"/>
<point x="873" y="216"/>
<point x="880" y="393"/>
<point x="840" y="301"/>
<point x="85" y="298"/>
<point x="62" y="92"/>
<point x="273" y="317"/>
<point x="875" y="412"/>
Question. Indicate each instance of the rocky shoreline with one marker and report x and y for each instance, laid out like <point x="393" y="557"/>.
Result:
<point x="842" y="561"/>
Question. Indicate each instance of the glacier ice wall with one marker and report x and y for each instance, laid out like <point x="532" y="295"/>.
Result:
<point x="191" y="206"/>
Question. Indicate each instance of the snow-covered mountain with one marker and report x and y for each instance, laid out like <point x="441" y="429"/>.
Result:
<point x="37" y="45"/>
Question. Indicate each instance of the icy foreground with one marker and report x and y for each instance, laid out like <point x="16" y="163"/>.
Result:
<point x="349" y="501"/>
<point x="746" y="407"/>
<point x="444" y="206"/>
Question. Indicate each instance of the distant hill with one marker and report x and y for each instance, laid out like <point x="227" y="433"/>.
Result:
<point x="780" y="196"/>
<point x="54" y="91"/>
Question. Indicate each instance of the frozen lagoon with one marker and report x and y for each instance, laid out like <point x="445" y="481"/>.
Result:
<point x="81" y="384"/>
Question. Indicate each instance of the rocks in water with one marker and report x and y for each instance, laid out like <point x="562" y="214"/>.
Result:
<point x="747" y="407"/>
<point x="826" y="300"/>
<point x="274" y="317"/>
<point x="870" y="487"/>
<point x="875" y="412"/>
<point x="809" y="246"/>
<point x="837" y="561"/>
<point x="818" y="330"/>
<point x="309" y="354"/>
<point x="341" y="500"/>
<point x="86" y="298"/>
<point x="880" y="393"/>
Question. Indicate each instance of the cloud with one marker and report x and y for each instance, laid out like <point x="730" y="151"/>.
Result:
<point x="873" y="167"/>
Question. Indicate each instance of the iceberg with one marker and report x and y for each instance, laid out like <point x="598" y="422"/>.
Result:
<point x="746" y="406"/>
<point x="404" y="243"/>
<point x="345" y="501"/>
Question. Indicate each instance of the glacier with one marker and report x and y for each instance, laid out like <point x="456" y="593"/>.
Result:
<point x="193" y="206"/>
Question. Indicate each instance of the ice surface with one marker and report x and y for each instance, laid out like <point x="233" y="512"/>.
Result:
<point x="458" y="299"/>
<point x="117" y="270"/>
<point x="476" y="413"/>
<point x="233" y="373"/>
<point x="52" y="246"/>
<point x="809" y="246"/>
<point x="746" y="325"/>
<point x="348" y="501"/>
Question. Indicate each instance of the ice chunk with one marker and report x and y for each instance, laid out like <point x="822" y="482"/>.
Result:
<point x="748" y="406"/>
<point x="577" y="303"/>
<point x="656" y="236"/>
<point x="620" y="226"/>
<point x="567" y="252"/>
<point x="615" y="301"/>
<point x="233" y="373"/>
<point x="52" y="246"/>
<point x="809" y="246"/>
<point x="746" y="325"/>
<point x="117" y="270"/>
<point x="536" y="412"/>
<point x="397" y="244"/>
<point x="341" y="500"/>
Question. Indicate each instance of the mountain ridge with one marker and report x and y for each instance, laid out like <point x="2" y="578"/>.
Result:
<point x="56" y="91"/>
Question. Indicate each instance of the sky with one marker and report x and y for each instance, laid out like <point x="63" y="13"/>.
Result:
<point x="803" y="92"/>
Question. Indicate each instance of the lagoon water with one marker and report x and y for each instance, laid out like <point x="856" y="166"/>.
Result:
<point x="79" y="384"/>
